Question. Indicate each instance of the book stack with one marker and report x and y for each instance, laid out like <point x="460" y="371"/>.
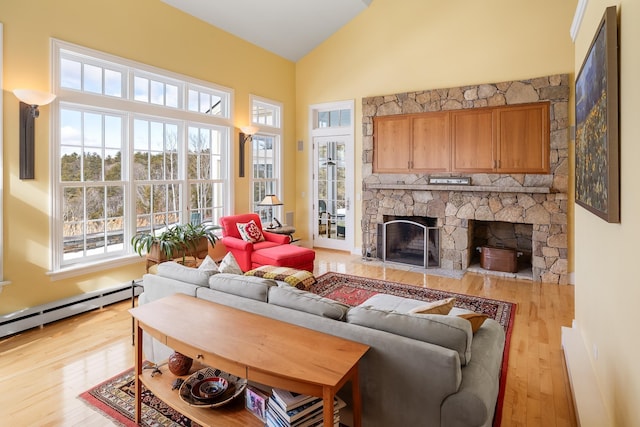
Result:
<point x="288" y="409"/>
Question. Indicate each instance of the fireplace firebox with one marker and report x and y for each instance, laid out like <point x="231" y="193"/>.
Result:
<point x="409" y="240"/>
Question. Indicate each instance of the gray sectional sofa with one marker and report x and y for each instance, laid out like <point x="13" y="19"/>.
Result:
<point x="421" y="370"/>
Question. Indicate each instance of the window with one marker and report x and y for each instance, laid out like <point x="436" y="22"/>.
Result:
<point x="333" y="118"/>
<point x="138" y="149"/>
<point x="265" y="113"/>
<point x="265" y="156"/>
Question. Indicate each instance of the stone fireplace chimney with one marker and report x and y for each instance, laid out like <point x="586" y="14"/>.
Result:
<point x="537" y="200"/>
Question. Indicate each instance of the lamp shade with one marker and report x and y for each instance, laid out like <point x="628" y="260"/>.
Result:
<point x="34" y="97"/>
<point x="270" y="200"/>
<point x="249" y="130"/>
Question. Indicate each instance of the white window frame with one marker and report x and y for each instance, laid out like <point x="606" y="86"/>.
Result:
<point x="132" y="109"/>
<point x="274" y="131"/>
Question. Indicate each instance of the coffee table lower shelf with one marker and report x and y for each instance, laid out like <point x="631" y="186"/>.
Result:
<point x="233" y="414"/>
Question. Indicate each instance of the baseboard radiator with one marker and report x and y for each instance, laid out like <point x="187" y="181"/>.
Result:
<point x="39" y="316"/>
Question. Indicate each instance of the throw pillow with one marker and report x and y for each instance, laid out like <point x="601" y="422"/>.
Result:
<point x="476" y="319"/>
<point x="250" y="232"/>
<point x="229" y="265"/>
<point x="208" y="265"/>
<point x="442" y="306"/>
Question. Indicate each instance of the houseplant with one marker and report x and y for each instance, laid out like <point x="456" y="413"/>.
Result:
<point x="194" y="239"/>
<point x="179" y="240"/>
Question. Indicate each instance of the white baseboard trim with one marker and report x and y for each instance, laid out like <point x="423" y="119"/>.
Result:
<point x="589" y="406"/>
<point x="33" y="317"/>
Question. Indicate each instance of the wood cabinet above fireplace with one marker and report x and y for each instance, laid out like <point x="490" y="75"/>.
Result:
<point x="505" y="139"/>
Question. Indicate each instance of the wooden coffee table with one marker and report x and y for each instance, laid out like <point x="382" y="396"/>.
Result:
<point x="260" y="349"/>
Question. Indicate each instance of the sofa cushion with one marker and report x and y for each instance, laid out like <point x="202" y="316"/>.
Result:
<point x="173" y="270"/>
<point x="451" y="332"/>
<point x="301" y="279"/>
<point x="244" y="286"/>
<point x="297" y="299"/>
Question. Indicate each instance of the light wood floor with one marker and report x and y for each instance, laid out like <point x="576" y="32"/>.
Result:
<point x="43" y="371"/>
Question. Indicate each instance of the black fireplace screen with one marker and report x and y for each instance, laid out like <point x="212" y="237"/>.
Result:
<point x="410" y="242"/>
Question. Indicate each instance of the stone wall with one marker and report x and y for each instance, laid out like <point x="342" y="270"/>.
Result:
<point x="540" y="200"/>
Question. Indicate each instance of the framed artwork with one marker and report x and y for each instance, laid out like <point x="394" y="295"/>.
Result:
<point x="256" y="402"/>
<point x="597" y="141"/>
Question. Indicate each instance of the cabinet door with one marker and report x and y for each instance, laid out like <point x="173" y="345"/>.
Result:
<point x="523" y="138"/>
<point x="431" y="146"/>
<point x="472" y="140"/>
<point x="392" y="143"/>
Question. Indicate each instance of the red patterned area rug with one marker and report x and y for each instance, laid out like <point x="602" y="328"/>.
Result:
<point x="115" y="398"/>
<point x="354" y="290"/>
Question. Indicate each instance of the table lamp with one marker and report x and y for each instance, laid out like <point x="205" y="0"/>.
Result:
<point x="271" y="200"/>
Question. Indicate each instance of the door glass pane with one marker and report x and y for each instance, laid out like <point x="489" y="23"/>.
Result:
<point x="331" y="189"/>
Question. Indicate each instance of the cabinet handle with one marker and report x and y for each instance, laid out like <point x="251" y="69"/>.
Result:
<point x="199" y="356"/>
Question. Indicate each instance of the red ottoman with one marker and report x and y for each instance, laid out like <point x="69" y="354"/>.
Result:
<point x="284" y="256"/>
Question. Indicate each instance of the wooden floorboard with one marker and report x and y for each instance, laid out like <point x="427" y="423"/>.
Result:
<point x="42" y="371"/>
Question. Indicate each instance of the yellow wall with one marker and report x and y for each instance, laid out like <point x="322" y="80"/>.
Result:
<point x="147" y="31"/>
<point x="410" y="45"/>
<point x="607" y="285"/>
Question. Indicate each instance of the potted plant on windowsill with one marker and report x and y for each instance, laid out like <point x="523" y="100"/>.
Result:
<point x="180" y="240"/>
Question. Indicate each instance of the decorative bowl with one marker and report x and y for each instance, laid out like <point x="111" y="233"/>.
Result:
<point x="209" y="388"/>
<point x="191" y="385"/>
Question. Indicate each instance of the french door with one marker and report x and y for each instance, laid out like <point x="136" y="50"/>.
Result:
<point x="334" y="224"/>
<point x="333" y="148"/>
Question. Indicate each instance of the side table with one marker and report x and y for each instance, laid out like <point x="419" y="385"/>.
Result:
<point x="283" y="229"/>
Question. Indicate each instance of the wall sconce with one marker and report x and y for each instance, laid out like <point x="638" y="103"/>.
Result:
<point x="271" y="200"/>
<point x="30" y="100"/>
<point x="246" y="134"/>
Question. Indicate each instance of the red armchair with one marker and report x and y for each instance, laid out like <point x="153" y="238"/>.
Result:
<point x="242" y="250"/>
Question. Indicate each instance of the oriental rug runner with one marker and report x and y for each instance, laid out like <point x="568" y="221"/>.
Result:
<point x="115" y="397"/>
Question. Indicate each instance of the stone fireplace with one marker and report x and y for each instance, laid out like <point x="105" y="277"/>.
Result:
<point x="537" y="202"/>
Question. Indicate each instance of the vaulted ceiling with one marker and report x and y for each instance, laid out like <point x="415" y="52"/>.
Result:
<point x="289" y="28"/>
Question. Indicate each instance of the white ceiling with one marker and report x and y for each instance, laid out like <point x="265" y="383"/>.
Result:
<point x="289" y="28"/>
